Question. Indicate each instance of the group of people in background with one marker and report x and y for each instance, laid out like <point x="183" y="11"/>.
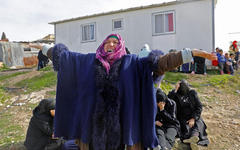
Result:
<point x="228" y="62"/>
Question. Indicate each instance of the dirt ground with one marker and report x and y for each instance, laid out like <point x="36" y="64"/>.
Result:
<point x="221" y="112"/>
<point x="223" y="120"/>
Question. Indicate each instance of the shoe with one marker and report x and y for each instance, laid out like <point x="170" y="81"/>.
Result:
<point x="193" y="139"/>
<point x="194" y="146"/>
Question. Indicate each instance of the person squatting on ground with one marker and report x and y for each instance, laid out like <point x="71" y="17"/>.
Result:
<point x="167" y="125"/>
<point x="189" y="108"/>
<point x="106" y="99"/>
<point x="40" y="129"/>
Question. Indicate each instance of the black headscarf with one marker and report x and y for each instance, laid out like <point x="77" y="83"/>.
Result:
<point x="43" y="109"/>
<point x="184" y="88"/>
<point x="161" y="96"/>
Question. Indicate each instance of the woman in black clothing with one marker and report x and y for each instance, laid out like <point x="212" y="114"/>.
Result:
<point x="189" y="108"/>
<point x="40" y="130"/>
<point x="167" y="125"/>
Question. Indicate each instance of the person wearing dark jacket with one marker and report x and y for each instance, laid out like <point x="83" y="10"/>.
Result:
<point x="42" y="60"/>
<point x="189" y="108"/>
<point x="40" y="129"/>
<point x="167" y="125"/>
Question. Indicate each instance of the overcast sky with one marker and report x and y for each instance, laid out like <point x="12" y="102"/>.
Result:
<point x="27" y="20"/>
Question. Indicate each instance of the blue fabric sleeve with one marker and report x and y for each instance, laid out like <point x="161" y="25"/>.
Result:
<point x="153" y="58"/>
<point x="56" y="52"/>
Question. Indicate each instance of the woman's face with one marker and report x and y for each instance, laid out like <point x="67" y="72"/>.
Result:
<point x="110" y="45"/>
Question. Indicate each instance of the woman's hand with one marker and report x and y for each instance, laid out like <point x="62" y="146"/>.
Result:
<point x="177" y="87"/>
<point x="158" y="123"/>
<point x="191" y="122"/>
<point x="211" y="56"/>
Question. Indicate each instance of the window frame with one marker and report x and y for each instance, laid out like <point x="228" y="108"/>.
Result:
<point x="164" y="13"/>
<point x="119" y="19"/>
<point x="82" y="27"/>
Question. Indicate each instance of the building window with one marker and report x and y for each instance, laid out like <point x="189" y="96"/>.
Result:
<point x="117" y="24"/>
<point x="163" y="23"/>
<point x="88" y="32"/>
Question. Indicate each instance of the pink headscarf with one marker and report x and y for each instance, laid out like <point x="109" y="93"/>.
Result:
<point x="108" y="58"/>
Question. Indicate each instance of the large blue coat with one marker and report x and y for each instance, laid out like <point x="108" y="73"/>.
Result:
<point x="76" y="97"/>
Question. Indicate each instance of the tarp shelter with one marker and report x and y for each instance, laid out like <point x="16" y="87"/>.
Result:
<point x="11" y="54"/>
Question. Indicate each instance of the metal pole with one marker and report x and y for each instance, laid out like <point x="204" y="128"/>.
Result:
<point x="55" y="34"/>
<point x="213" y="25"/>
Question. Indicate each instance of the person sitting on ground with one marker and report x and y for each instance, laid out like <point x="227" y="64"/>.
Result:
<point x="40" y="129"/>
<point x="110" y="97"/>
<point x="167" y="125"/>
<point x="189" y="109"/>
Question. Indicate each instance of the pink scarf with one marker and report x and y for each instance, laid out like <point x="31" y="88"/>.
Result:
<point x="108" y="58"/>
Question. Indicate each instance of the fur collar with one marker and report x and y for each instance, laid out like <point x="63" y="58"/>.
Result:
<point x="106" y="118"/>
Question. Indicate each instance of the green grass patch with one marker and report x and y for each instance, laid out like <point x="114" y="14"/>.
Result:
<point x="170" y="79"/>
<point x="4" y="68"/>
<point x="213" y="80"/>
<point x="46" y="79"/>
<point x="9" y="132"/>
<point x="213" y="72"/>
<point x="51" y="93"/>
<point x="219" y="80"/>
<point x="201" y="81"/>
<point x="166" y="87"/>
<point x="47" y="68"/>
<point x="31" y="106"/>
<point x="174" y="77"/>
<point x="4" y="77"/>
<point x="3" y="95"/>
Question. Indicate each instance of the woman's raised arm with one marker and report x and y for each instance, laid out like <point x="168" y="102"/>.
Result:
<point x="174" y="59"/>
<point x="46" y="49"/>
